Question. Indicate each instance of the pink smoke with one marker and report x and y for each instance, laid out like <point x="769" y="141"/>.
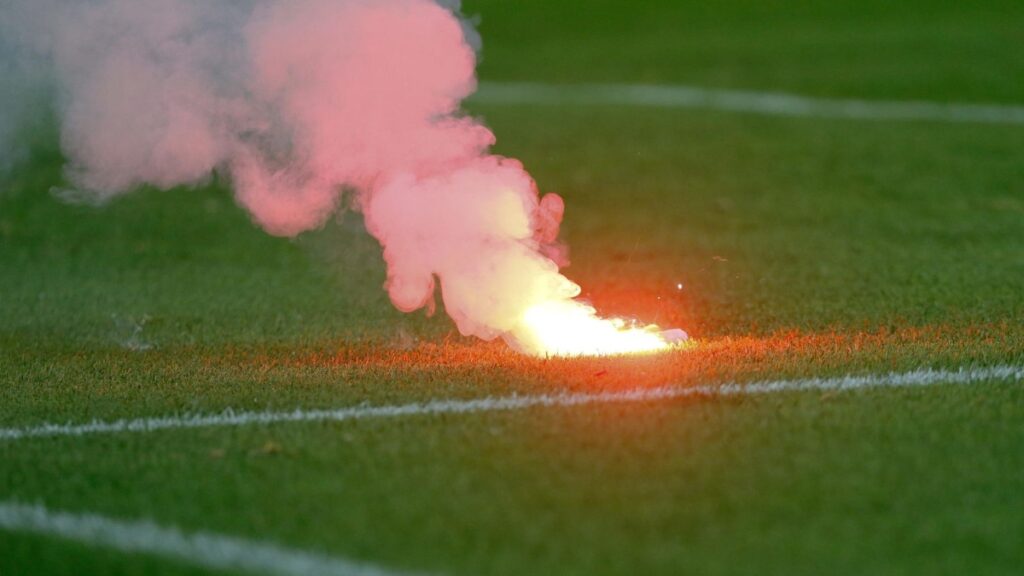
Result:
<point x="300" y="102"/>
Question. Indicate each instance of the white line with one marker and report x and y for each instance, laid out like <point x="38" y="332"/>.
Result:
<point x="198" y="548"/>
<point x="772" y="103"/>
<point x="923" y="377"/>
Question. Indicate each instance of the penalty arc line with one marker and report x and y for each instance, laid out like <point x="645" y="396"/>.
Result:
<point x="203" y="549"/>
<point x="769" y="103"/>
<point x="915" y="378"/>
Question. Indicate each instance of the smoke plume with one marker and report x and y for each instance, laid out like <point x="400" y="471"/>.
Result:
<point x="298" y="103"/>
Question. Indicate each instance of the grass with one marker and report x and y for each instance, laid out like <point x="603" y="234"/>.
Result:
<point x="872" y="49"/>
<point x="805" y="247"/>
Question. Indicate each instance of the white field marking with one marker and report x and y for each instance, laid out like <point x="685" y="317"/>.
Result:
<point x="922" y="377"/>
<point x="772" y="103"/>
<point x="198" y="548"/>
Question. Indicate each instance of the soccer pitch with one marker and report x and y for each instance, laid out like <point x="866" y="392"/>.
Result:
<point x="224" y="401"/>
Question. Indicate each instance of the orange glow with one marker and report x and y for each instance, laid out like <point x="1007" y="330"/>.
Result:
<point x="571" y="328"/>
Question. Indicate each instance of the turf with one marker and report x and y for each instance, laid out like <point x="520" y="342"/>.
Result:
<point x="875" y="49"/>
<point x="804" y="246"/>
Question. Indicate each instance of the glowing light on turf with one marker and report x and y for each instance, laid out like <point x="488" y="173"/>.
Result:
<point x="571" y="328"/>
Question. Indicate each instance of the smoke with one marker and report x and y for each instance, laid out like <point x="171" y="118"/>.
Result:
<point x="301" y="104"/>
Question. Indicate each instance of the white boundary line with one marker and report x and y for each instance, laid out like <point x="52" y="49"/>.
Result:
<point x="198" y="548"/>
<point x="771" y="103"/>
<point x="922" y="377"/>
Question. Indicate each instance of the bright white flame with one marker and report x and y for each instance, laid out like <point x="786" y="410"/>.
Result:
<point x="571" y="328"/>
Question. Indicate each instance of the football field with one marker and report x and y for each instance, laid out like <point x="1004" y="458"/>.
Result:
<point x="828" y="199"/>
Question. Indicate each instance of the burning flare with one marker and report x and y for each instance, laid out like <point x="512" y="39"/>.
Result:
<point x="307" y="107"/>
<point x="571" y="328"/>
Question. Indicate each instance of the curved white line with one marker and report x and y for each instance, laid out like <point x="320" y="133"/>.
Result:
<point x="923" y="377"/>
<point x="771" y="103"/>
<point x="197" y="548"/>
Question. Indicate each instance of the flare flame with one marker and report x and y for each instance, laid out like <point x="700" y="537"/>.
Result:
<point x="572" y="328"/>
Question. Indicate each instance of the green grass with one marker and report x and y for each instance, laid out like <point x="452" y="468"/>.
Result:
<point x="805" y="247"/>
<point x="845" y="48"/>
